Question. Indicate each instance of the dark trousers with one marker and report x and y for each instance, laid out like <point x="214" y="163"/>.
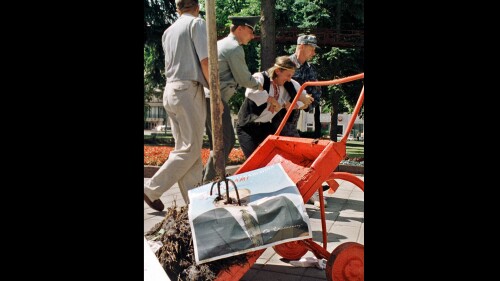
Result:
<point x="228" y="139"/>
<point x="253" y="134"/>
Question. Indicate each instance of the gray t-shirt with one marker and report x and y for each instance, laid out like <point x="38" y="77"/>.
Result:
<point x="185" y="44"/>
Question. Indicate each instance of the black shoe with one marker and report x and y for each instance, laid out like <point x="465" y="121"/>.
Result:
<point x="156" y="205"/>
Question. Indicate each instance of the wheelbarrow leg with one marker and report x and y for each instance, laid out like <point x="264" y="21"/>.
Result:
<point x="333" y="184"/>
<point x="323" y="215"/>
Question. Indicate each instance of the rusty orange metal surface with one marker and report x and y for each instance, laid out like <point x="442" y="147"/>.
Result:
<point x="309" y="163"/>
<point x="346" y="263"/>
<point x="291" y="250"/>
<point x="344" y="176"/>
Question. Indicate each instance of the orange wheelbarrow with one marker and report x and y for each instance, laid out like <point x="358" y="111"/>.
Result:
<point x="309" y="163"/>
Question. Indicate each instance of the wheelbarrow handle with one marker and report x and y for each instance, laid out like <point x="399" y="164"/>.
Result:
<point x="315" y="83"/>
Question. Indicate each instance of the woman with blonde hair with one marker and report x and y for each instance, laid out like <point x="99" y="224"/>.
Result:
<point x="260" y="106"/>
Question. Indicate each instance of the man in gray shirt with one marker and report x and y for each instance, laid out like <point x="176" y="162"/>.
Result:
<point x="186" y="68"/>
<point x="233" y="73"/>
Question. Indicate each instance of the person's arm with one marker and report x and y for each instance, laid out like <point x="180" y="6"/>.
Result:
<point x="256" y="95"/>
<point x="304" y="99"/>
<point x="199" y="37"/>
<point x="239" y="69"/>
<point x="275" y="104"/>
<point x="298" y="105"/>
<point x="204" y="68"/>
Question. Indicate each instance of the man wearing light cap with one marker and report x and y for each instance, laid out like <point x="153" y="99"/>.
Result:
<point x="306" y="49"/>
<point x="307" y="40"/>
<point x="305" y="72"/>
<point x="186" y="69"/>
<point x="233" y="73"/>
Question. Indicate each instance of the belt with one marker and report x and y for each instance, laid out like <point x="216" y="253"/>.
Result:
<point x="196" y="83"/>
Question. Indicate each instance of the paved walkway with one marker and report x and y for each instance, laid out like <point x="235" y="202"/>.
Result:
<point x="344" y="223"/>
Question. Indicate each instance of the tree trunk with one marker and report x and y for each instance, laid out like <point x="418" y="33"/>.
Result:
<point x="334" y="116"/>
<point x="338" y="19"/>
<point x="216" y="106"/>
<point x="317" y="122"/>
<point x="267" y="34"/>
<point x="335" y="95"/>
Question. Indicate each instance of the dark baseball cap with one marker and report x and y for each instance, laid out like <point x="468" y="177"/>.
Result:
<point x="307" y="40"/>
<point x="249" y="21"/>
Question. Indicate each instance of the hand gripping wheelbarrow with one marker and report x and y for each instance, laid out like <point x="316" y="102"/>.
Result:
<point x="309" y="163"/>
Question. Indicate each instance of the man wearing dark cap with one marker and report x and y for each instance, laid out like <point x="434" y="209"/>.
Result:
<point x="233" y="73"/>
<point x="249" y="21"/>
<point x="186" y="69"/>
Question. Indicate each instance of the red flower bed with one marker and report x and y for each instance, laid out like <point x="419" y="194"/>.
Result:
<point x="157" y="155"/>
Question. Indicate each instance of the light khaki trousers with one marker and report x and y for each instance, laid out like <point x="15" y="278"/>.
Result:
<point x="184" y="102"/>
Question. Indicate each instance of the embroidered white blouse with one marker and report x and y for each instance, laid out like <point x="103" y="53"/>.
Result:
<point x="260" y="97"/>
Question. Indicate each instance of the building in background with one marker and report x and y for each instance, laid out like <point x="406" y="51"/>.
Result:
<point x="306" y="124"/>
<point x="157" y="118"/>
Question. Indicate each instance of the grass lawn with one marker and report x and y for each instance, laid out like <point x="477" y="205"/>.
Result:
<point x="355" y="149"/>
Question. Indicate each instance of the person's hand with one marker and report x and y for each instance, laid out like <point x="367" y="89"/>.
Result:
<point x="304" y="106"/>
<point x="277" y="107"/>
<point x="310" y="97"/>
<point x="287" y="105"/>
<point x="274" y="105"/>
<point x="273" y="102"/>
<point x="306" y="100"/>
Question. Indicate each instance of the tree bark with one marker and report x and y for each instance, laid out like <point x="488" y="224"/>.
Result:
<point x="338" y="19"/>
<point x="335" y="96"/>
<point x="334" y="116"/>
<point x="216" y="106"/>
<point x="317" y="122"/>
<point x="268" y="34"/>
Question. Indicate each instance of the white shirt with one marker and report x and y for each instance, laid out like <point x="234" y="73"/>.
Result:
<point x="260" y="97"/>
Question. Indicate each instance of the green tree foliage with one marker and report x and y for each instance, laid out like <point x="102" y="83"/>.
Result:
<point x="301" y="13"/>
<point x="343" y="97"/>
<point x="344" y="62"/>
<point x="226" y="8"/>
<point x="158" y="16"/>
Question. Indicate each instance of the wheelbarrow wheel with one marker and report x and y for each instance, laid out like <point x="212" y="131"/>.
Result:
<point x="290" y="250"/>
<point x="346" y="263"/>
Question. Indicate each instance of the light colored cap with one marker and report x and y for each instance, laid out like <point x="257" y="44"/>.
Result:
<point x="307" y="40"/>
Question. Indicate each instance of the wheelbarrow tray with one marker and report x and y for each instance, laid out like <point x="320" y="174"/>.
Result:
<point x="308" y="162"/>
